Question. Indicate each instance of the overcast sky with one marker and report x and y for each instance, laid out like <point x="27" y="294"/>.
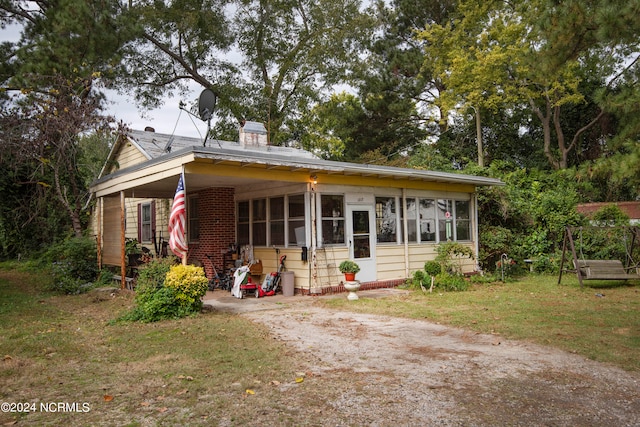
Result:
<point x="167" y="118"/>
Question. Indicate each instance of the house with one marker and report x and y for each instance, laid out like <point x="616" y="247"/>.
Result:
<point x="630" y="209"/>
<point x="252" y="201"/>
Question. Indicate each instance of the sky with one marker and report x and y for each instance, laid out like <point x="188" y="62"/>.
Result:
<point x="167" y="118"/>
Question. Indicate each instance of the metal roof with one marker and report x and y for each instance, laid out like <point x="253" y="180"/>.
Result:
<point x="270" y="158"/>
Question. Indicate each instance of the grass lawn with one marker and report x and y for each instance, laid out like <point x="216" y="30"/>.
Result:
<point x="194" y="371"/>
<point x="600" y="321"/>
<point x="221" y="369"/>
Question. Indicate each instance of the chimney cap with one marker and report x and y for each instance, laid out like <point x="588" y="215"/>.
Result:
<point x="149" y="129"/>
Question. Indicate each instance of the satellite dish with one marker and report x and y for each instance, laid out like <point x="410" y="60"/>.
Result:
<point x="206" y="104"/>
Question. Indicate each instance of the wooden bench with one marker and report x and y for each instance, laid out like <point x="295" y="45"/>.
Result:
<point x="603" y="270"/>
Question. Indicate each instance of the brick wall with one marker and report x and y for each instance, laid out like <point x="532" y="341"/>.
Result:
<point x="216" y="211"/>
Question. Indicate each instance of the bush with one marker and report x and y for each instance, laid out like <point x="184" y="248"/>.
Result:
<point x="419" y="278"/>
<point x="74" y="264"/>
<point x="166" y="291"/>
<point x="450" y="255"/>
<point x="189" y="284"/>
<point x="451" y="282"/>
<point x="432" y="268"/>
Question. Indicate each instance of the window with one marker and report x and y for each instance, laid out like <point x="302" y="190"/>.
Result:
<point x="275" y="215"/>
<point x="276" y="220"/>
<point x="427" y="212"/>
<point x="259" y="222"/>
<point x="438" y="220"/>
<point x="145" y="222"/>
<point x="193" y="228"/>
<point x="463" y="220"/>
<point x="445" y="220"/>
<point x="332" y="212"/>
<point x="243" y="223"/>
<point x="295" y="223"/>
<point x="386" y="222"/>
<point x="412" y="215"/>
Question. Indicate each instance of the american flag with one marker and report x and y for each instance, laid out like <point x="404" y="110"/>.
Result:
<point x="177" y="222"/>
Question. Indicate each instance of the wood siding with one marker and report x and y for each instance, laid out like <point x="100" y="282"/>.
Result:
<point x="129" y="155"/>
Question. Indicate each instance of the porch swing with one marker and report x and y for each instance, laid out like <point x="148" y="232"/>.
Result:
<point x="601" y="269"/>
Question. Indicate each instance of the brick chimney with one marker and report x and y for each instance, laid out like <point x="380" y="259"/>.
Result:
<point x="253" y="134"/>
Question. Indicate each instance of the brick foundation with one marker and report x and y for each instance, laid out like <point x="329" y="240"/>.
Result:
<point x="364" y="286"/>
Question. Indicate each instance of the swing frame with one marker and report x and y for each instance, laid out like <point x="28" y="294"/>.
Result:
<point x="600" y="269"/>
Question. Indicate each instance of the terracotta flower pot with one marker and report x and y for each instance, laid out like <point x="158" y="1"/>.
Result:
<point x="349" y="277"/>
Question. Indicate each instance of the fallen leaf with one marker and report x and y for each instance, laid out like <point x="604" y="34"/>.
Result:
<point x="181" y="392"/>
<point x="145" y="403"/>
<point x="249" y="391"/>
<point x="7" y="358"/>
<point x="163" y="409"/>
<point x="189" y="378"/>
<point x="299" y="379"/>
<point x="274" y="382"/>
<point x="108" y="398"/>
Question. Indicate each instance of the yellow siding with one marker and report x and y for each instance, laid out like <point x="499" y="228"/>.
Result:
<point x="390" y="262"/>
<point x="293" y="263"/>
<point x="111" y="221"/>
<point x="129" y="155"/>
<point x="111" y="240"/>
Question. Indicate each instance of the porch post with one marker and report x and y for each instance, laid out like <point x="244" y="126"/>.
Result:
<point x="123" y="265"/>
<point x="313" y="283"/>
<point x="99" y="231"/>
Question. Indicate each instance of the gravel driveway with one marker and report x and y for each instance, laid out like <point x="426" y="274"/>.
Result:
<point x="380" y="371"/>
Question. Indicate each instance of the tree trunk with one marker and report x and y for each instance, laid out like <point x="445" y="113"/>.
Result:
<point x="479" y="138"/>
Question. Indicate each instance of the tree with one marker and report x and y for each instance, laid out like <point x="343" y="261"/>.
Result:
<point x="285" y="53"/>
<point x="496" y="55"/>
<point x="43" y="132"/>
<point x="50" y="86"/>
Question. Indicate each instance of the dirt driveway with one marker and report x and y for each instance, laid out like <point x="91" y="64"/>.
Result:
<point x="378" y="371"/>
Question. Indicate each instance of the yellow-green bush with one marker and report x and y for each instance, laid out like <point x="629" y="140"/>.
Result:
<point x="167" y="291"/>
<point x="189" y="284"/>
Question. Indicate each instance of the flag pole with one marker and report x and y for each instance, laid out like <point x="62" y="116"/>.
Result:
<point x="178" y="222"/>
<point x="186" y="216"/>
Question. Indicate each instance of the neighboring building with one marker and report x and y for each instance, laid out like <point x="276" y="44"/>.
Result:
<point x="631" y="209"/>
<point x="272" y="201"/>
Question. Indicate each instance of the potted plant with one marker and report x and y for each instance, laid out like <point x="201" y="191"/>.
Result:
<point x="349" y="268"/>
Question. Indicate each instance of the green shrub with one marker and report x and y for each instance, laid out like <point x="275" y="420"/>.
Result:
<point x="167" y="291"/>
<point x="419" y="278"/>
<point x="432" y="268"/>
<point x="451" y="282"/>
<point x="450" y="255"/>
<point x="74" y="265"/>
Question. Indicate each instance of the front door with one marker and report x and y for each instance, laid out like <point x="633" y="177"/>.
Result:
<point x="362" y="240"/>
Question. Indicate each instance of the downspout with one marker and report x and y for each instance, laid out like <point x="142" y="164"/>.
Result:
<point x="405" y="233"/>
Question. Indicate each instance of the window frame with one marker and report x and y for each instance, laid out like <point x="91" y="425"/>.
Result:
<point x="193" y="218"/>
